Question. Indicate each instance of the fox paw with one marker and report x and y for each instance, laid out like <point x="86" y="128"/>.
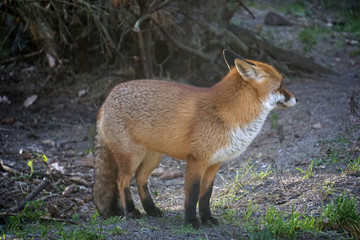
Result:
<point x="135" y="214"/>
<point x="195" y="224"/>
<point x="209" y="221"/>
<point x="154" y="212"/>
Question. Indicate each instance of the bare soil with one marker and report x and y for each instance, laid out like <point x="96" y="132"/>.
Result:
<point x="60" y="124"/>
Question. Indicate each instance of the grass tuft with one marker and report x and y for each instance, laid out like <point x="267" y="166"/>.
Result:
<point x="342" y="214"/>
<point x="287" y="225"/>
<point x="353" y="168"/>
<point x="308" y="173"/>
<point x="310" y="36"/>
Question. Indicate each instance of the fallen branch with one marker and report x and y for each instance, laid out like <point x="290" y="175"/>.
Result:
<point x="80" y="181"/>
<point x="243" y="5"/>
<point x="31" y="196"/>
<point x="57" y="220"/>
<point x="183" y="47"/>
<point x="7" y="214"/>
<point x="291" y="59"/>
<point x="224" y="34"/>
<point x="8" y="169"/>
<point x="48" y="196"/>
<point x="67" y="209"/>
<point x="21" y="57"/>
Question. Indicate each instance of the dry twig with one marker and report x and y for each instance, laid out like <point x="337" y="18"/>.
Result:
<point x="31" y="196"/>
<point x="57" y="220"/>
<point x="21" y="57"/>
<point x="243" y="5"/>
<point x="8" y="169"/>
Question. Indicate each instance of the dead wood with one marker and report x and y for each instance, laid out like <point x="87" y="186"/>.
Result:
<point x="279" y="56"/>
<point x="85" y="28"/>
<point x="183" y="47"/>
<point x="8" y="169"/>
<point x="80" y="181"/>
<point x="31" y="196"/>
<point x="244" y="6"/>
<point x="57" y="219"/>
<point x="21" y="57"/>
<point x="7" y="214"/>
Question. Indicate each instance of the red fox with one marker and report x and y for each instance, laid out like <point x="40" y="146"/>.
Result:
<point x="141" y="120"/>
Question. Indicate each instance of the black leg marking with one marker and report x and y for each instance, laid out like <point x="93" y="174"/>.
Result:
<point x="190" y="205"/>
<point x="149" y="205"/>
<point x="130" y="209"/>
<point x="115" y="206"/>
<point x="204" y="208"/>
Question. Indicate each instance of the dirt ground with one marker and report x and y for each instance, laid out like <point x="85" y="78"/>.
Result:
<point x="323" y="127"/>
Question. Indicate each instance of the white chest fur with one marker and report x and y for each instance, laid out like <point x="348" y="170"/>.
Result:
<point x="240" y="138"/>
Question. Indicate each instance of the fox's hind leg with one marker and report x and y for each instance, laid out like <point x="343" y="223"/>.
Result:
<point x="127" y="164"/>
<point x="149" y="163"/>
<point x="105" y="192"/>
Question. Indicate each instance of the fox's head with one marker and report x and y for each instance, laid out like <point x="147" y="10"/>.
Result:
<point x="267" y="81"/>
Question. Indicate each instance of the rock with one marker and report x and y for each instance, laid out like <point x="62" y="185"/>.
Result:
<point x="68" y="190"/>
<point x="317" y="125"/>
<point x="276" y="19"/>
<point x="30" y="100"/>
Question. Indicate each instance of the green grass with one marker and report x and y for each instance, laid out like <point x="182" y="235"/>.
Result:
<point x="287" y="225"/>
<point x="348" y="21"/>
<point x="262" y="176"/>
<point x="311" y="35"/>
<point x="328" y="189"/>
<point x="342" y="213"/>
<point x="348" y="15"/>
<point x="185" y="229"/>
<point x="233" y="188"/>
<point x="297" y="8"/>
<point x="28" y="224"/>
<point x="80" y="232"/>
<point x="352" y="23"/>
<point x="250" y="211"/>
<point x="339" y="217"/>
<point x="274" y="121"/>
<point x="353" y="168"/>
<point x="32" y="212"/>
<point x="308" y="173"/>
<point x="336" y="153"/>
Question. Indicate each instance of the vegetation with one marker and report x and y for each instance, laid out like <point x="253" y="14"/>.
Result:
<point x="126" y="32"/>
<point x="354" y="167"/>
<point x="39" y="157"/>
<point x="287" y="225"/>
<point x="311" y="35"/>
<point x="342" y="213"/>
<point x="308" y="173"/>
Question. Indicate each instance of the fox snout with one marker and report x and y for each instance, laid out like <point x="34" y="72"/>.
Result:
<point x="288" y="99"/>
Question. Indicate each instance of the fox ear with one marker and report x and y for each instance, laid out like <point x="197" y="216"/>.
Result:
<point x="230" y="56"/>
<point x="246" y="69"/>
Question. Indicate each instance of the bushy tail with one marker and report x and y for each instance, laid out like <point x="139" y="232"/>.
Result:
<point x="105" y="192"/>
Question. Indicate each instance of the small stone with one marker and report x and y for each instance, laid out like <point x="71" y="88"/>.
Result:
<point x="317" y="125"/>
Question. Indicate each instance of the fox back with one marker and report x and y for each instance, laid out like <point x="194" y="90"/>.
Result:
<point x="141" y="120"/>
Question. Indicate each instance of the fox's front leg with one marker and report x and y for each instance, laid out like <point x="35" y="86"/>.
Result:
<point x="194" y="173"/>
<point x="206" y="187"/>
